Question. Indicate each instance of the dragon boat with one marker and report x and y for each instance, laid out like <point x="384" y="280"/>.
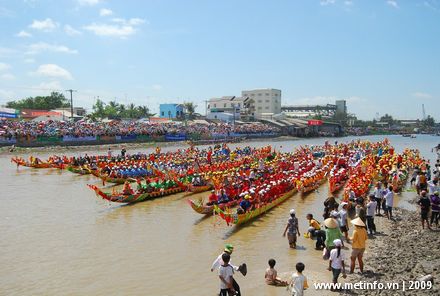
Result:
<point x="237" y="219"/>
<point x="136" y="197"/>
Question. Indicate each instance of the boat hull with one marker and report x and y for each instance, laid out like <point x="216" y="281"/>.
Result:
<point x="238" y="219"/>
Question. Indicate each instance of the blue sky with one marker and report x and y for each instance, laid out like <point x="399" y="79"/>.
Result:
<point x="381" y="56"/>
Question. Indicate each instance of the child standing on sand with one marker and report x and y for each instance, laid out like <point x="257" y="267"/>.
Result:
<point x="299" y="282"/>
<point x="225" y="273"/>
<point x="271" y="275"/>
<point x="336" y="263"/>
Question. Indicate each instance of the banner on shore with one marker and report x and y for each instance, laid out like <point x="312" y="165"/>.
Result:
<point x="79" y="139"/>
<point x="177" y="137"/>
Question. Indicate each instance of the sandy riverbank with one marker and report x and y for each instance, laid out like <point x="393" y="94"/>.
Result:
<point x="403" y="251"/>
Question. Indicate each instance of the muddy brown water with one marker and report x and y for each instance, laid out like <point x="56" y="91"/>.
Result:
<point x="58" y="238"/>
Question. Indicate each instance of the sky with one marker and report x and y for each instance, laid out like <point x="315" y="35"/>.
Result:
<point x="382" y="56"/>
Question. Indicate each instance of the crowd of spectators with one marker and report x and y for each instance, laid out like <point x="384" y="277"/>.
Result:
<point x="16" y="129"/>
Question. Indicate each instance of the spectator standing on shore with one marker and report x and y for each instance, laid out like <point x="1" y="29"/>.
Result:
<point x="358" y="244"/>
<point x="292" y="228"/>
<point x="435" y="208"/>
<point x="389" y="202"/>
<point x="332" y="232"/>
<point x="360" y="210"/>
<point x="343" y="220"/>
<point x="329" y="205"/>
<point x="371" y="209"/>
<point x="378" y="195"/>
<point x="425" y="206"/>
<point x="433" y="186"/>
<point x="336" y="263"/>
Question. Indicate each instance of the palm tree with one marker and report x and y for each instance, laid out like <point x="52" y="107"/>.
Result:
<point x="190" y="109"/>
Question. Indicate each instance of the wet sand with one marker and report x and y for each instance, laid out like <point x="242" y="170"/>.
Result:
<point x="403" y="251"/>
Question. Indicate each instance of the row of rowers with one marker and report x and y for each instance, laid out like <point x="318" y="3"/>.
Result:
<point x="252" y="194"/>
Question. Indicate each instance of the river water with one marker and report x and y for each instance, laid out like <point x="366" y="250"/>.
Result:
<point x="58" y="238"/>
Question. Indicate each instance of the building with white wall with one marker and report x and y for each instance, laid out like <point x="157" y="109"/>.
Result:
<point x="262" y="102"/>
<point x="223" y="108"/>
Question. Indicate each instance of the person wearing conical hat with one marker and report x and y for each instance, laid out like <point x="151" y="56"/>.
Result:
<point x="332" y="232"/>
<point x="358" y="244"/>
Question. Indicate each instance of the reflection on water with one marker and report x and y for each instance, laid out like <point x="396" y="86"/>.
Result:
<point x="59" y="238"/>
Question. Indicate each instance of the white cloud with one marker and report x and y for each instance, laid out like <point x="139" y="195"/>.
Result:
<point x="7" y="76"/>
<point x="88" y="2"/>
<point x="23" y="34"/>
<point x="327" y="2"/>
<point x="348" y="2"/>
<point x="130" y="22"/>
<point x="422" y="95"/>
<point x="136" y="21"/>
<point x="39" y="47"/>
<point x="52" y="85"/>
<point x="105" y="12"/>
<point x="392" y="3"/>
<point x="29" y="61"/>
<point x="432" y="4"/>
<point x="46" y="25"/>
<point x="4" y="12"/>
<point x="6" y="52"/>
<point x="69" y="30"/>
<point x="52" y="70"/>
<point x="110" y="30"/>
<point x="122" y="29"/>
<point x="156" y="87"/>
<point x="4" y="67"/>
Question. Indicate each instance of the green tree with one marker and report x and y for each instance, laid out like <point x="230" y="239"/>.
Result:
<point x="112" y="110"/>
<point x="428" y="121"/>
<point x="98" y="109"/>
<point x="387" y="118"/>
<point x="53" y="101"/>
<point x="190" y="109"/>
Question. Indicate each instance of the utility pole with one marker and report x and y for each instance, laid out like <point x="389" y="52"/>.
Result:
<point x="71" y="102"/>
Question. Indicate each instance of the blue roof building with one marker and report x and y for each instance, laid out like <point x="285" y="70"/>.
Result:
<point x="171" y="111"/>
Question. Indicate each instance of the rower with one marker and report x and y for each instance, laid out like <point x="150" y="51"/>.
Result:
<point x="223" y="197"/>
<point x="245" y="204"/>
<point x="212" y="198"/>
<point x="127" y="189"/>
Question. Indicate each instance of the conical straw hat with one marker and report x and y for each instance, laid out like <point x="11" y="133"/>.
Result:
<point x="358" y="222"/>
<point x="330" y="223"/>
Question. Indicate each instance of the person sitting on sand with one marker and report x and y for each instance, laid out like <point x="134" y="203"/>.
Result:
<point x="271" y="275"/>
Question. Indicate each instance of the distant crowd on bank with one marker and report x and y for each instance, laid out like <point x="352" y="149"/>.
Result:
<point x="51" y="128"/>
